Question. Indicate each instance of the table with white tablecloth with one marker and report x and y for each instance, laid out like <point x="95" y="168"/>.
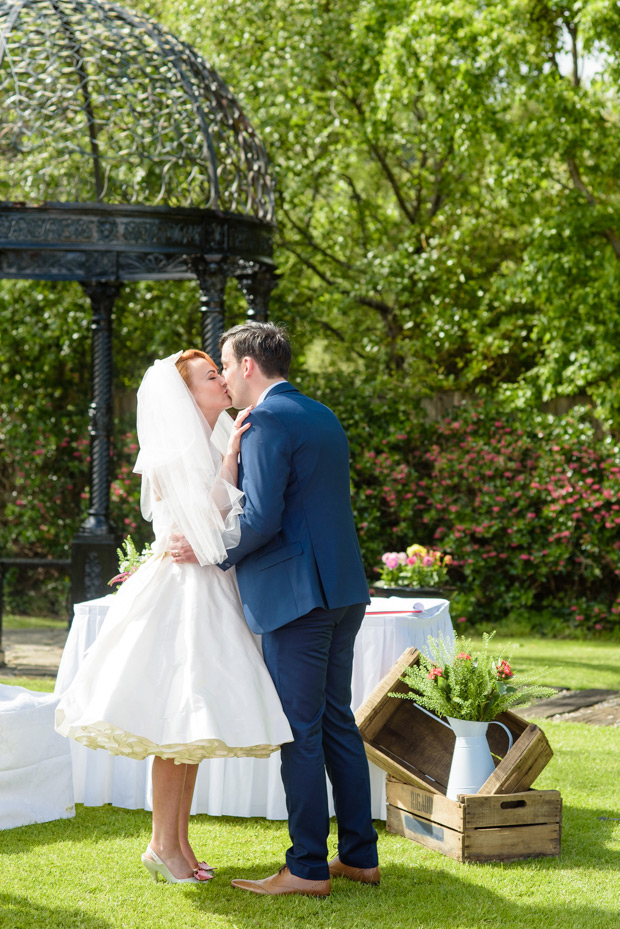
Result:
<point x="246" y="786"/>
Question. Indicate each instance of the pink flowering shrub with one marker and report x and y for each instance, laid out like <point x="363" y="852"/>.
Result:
<point x="42" y="476"/>
<point x="125" y="490"/>
<point x="528" y="506"/>
<point x="530" y="509"/>
<point x="44" y="498"/>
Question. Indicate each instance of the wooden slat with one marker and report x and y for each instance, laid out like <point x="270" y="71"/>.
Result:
<point x="510" y="843"/>
<point x="502" y="843"/>
<point x="378" y="707"/>
<point x="421" y="742"/>
<point x="392" y="765"/>
<point x="425" y="804"/>
<point x="430" y="835"/>
<point x="530" y="807"/>
<point x="521" y="766"/>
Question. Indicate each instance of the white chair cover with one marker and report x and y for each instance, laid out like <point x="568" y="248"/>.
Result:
<point x="36" y="780"/>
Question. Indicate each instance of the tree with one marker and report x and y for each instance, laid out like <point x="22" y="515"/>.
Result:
<point x="447" y="182"/>
<point x="448" y="203"/>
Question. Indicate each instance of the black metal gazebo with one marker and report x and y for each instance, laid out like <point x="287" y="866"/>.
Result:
<point x="123" y="157"/>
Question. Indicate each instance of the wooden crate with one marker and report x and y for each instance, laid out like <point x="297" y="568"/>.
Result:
<point x="417" y="749"/>
<point x="499" y="827"/>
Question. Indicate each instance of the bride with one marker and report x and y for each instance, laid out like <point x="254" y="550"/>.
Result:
<point x="175" y="671"/>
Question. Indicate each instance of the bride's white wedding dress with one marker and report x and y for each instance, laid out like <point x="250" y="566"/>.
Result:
<point x="175" y="670"/>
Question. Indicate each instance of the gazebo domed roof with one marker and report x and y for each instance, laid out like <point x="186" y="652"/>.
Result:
<point x="99" y="104"/>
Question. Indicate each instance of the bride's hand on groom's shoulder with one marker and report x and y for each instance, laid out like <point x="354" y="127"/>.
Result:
<point x="239" y="427"/>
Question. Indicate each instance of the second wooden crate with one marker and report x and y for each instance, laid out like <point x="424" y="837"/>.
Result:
<point x="500" y="827"/>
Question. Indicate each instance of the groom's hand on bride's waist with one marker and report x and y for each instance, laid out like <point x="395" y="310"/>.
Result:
<point x="180" y="549"/>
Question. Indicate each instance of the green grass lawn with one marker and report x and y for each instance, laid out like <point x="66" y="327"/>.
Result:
<point x="14" y="621"/>
<point x="566" y="663"/>
<point x="40" y="684"/>
<point x="85" y="873"/>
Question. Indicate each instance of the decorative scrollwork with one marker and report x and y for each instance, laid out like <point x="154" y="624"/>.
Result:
<point x="102" y="104"/>
<point x="57" y="265"/>
<point x="140" y="267"/>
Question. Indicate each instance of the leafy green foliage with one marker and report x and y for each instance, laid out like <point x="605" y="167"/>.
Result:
<point x="448" y="183"/>
<point x="448" y="198"/>
<point x="129" y="559"/>
<point x="456" y="681"/>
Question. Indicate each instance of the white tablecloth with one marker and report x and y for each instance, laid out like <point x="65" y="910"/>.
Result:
<point x="245" y="786"/>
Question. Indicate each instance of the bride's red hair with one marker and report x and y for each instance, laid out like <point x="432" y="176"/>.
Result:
<point x="185" y="358"/>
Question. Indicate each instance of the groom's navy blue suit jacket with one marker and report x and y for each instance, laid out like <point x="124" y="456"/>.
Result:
<point x="298" y="547"/>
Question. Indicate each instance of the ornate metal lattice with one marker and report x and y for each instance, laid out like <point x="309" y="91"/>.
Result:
<point x="123" y="157"/>
<point x="101" y="104"/>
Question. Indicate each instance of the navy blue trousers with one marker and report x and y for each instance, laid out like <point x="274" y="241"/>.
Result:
<point x="311" y="663"/>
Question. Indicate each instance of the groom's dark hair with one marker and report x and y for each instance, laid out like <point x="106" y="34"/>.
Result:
<point x="266" y="343"/>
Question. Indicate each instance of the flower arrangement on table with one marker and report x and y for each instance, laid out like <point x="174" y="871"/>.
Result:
<point x="129" y="560"/>
<point x="462" y="684"/>
<point x="416" y="567"/>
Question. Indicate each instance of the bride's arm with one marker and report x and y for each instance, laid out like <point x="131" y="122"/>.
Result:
<point x="182" y="551"/>
<point x="230" y="464"/>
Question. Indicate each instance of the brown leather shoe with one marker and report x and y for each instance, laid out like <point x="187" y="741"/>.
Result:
<point x="285" y="883"/>
<point x="364" y="875"/>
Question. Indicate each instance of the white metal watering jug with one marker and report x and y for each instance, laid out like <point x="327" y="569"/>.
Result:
<point x="472" y="762"/>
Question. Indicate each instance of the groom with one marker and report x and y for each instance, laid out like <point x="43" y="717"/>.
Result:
<point x="303" y="587"/>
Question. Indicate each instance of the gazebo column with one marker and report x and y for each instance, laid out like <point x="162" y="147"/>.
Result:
<point x="212" y="276"/>
<point x="256" y="282"/>
<point x="93" y="553"/>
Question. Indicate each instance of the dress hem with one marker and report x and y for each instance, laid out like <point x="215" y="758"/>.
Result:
<point x="119" y="742"/>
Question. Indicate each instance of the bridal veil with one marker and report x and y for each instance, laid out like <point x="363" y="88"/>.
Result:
<point x="180" y="460"/>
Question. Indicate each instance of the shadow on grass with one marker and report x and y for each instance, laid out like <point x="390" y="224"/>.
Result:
<point x="444" y="894"/>
<point x="587" y="835"/>
<point x="21" y="913"/>
<point x="422" y="889"/>
<point x="407" y="898"/>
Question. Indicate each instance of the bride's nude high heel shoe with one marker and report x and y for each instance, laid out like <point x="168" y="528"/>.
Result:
<point x="156" y="868"/>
